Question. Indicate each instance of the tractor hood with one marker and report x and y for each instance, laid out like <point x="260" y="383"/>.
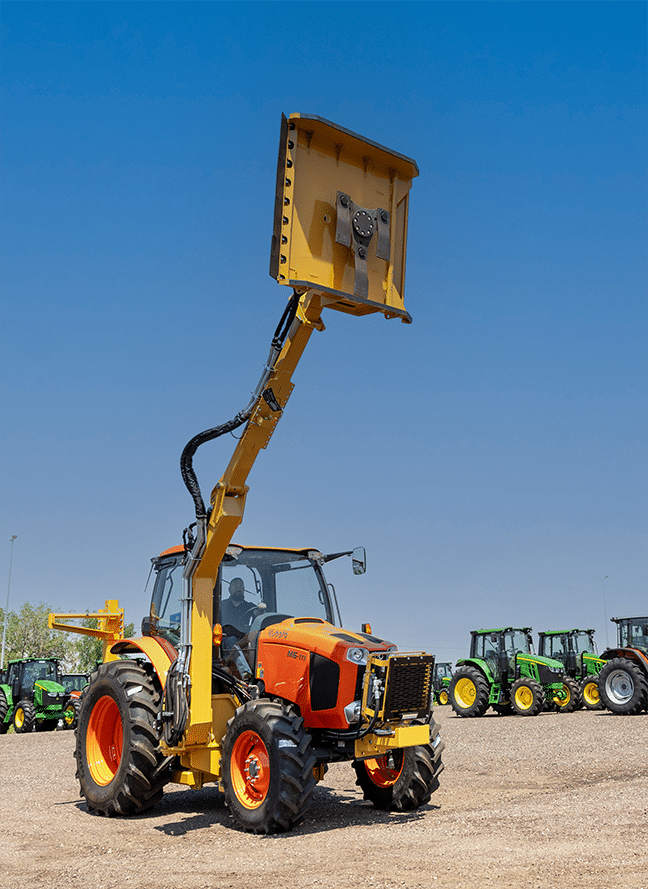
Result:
<point x="320" y="637"/>
<point x="315" y="665"/>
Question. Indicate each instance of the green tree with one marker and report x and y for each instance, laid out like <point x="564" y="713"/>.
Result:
<point x="29" y="636"/>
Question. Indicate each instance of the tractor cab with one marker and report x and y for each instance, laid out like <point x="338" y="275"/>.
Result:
<point x="632" y="632"/>
<point x="256" y="588"/>
<point x="570" y="647"/>
<point x="499" y="648"/>
<point x="23" y="675"/>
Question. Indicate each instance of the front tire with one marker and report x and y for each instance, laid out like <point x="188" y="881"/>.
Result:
<point x="404" y="779"/>
<point x="119" y="764"/>
<point x="267" y="767"/>
<point x="24" y="718"/>
<point x="623" y="687"/>
<point x="444" y="697"/>
<point x="468" y="692"/>
<point x="571" y="696"/>
<point x="71" y="713"/>
<point x="527" y="697"/>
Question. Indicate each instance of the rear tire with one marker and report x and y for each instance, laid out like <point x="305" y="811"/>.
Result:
<point x="623" y="687"/>
<point x="24" y="717"/>
<point x="4" y="709"/>
<point x="527" y="697"/>
<point x="468" y="692"/>
<point x="589" y="693"/>
<point x="570" y="702"/>
<point x="267" y="767"/>
<point x="403" y="779"/>
<point x="119" y="764"/>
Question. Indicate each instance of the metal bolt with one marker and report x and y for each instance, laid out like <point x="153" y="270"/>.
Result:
<point x="384" y="215"/>
<point x="362" y="252"/>
<point x="344" y="200"/>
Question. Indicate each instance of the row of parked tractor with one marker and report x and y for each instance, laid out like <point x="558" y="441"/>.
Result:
<point x="504" y="672"/>
<point x="35" y="695"/>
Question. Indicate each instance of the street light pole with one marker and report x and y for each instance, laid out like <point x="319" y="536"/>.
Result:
<point x="607" y="641"/>
<point x="6" y="614"/>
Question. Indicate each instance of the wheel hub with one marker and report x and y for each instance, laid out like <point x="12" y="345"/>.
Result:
<point x="619" y="687"/>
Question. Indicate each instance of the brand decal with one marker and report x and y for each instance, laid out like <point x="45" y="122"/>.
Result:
<point x="277" y="634"/>
<point x="297" y="655"/>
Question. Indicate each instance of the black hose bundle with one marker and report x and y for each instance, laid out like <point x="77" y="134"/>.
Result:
<point x="174" y="708"/>
<point x="186" y="460"/>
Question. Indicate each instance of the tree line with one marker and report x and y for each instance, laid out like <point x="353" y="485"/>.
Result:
<point x="27" y="635"/>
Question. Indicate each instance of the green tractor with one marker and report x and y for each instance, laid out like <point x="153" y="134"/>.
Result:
<point x="73" y="683"/>
<point x="441" y="682"/>
<point x="576" y="650"/>
<point x="623" y="680"/>
<point x="31" y="695"/>
<point x="503" y="672"/>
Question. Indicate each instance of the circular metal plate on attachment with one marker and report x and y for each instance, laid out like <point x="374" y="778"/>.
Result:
<point x="363" y="224"/>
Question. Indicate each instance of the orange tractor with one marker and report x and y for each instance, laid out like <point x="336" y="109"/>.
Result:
<point x="243" y="675"/>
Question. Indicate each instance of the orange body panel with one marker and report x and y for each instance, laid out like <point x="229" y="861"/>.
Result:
<point x="285" y="658"/>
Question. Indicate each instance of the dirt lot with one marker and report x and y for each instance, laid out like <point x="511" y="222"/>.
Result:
<point x="555" y="802"/>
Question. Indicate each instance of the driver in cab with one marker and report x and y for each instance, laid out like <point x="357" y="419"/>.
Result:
<point x="236" y="611"/>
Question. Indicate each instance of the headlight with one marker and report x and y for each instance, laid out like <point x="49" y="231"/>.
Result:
<point x="352" y="712"/>
<point x="357" y="655"/>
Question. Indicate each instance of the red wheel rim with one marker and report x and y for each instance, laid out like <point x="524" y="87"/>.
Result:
<point x="250" y="769"/>
<point x="386" y="770"/>
<point x="104" y="740"/>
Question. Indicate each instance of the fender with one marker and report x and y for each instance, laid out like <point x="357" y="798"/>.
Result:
<point x="159" y="651"/>
<point x="480" y="665"/>
<point x="631" y="654"/>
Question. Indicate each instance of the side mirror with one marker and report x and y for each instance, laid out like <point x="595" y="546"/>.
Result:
<point x="147" y="626"/>
<point x="359" y="560"/>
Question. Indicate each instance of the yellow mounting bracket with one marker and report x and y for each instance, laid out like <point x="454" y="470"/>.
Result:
<point x="110" y="629"/>
<point x="340" y="220"/>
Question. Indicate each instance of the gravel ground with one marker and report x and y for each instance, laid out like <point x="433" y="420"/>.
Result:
<point x="559" y="801"/>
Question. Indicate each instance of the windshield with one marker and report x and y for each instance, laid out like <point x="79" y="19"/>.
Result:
<point x="36" y="670"/>
<point x="583" y="643"/>
<point x="250" y="583"/>
<point x="165" y="603"/>
<point x="256" y="583"/>
<point x="74" y="683"/>
<point x="516" y="640"/>
<point x="444" y="670"/>
<point x="633" y="633"/>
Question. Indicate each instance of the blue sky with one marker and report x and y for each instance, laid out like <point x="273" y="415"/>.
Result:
<point x="491" y="456"/>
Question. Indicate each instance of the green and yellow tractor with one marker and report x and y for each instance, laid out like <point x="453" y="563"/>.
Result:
<point x="31" y="695"/>
<point x="441" y="682"/>
<point x="576" y="651"/>
<point x="504" y="673"/>
<point x="73" y="683"/>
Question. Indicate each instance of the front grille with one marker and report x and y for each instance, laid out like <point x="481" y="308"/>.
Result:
<point x="547" y="676"/>
<point x="409" y="685"/>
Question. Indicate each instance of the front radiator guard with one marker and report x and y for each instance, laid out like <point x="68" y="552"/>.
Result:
<point x="398" y="687"/>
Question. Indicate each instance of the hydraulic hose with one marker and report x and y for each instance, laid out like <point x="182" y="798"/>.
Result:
<point x="186" y="460"/>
